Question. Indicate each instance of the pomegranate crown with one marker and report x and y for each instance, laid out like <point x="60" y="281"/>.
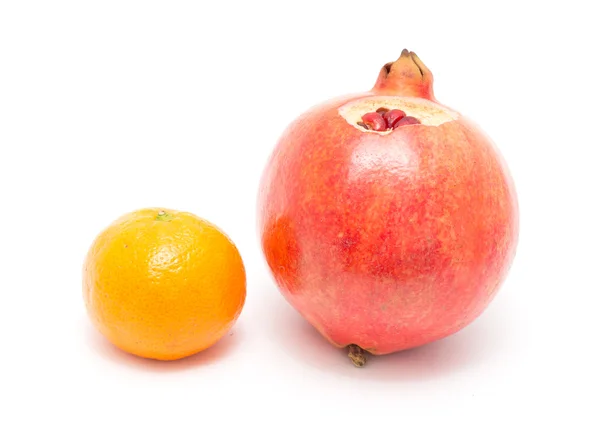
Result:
<point x="407" y="76"/>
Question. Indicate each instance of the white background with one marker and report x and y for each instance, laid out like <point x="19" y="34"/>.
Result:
<point x="106" y="107"/>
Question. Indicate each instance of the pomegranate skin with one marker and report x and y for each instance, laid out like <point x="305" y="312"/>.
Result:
<point x="388" y="240"/>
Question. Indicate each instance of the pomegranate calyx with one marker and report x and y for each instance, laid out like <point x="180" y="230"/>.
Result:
<point x="407" y="76"/>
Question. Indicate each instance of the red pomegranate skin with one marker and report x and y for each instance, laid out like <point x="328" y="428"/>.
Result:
<point x="387" y="241"/>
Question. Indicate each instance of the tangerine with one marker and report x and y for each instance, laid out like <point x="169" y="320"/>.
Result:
<point x="163" y="284"/>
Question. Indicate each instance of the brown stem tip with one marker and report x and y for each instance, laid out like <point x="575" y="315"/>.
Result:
<point x="357" y="355"/>
<point x="407" y="76"/>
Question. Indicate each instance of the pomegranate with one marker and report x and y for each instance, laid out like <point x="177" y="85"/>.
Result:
<point x="388" y="220"/>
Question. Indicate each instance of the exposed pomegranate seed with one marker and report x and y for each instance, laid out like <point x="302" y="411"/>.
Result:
<point x="374" y="121"/>
<point x="393" y="116"/>
<point x="382" y="110"/>
<point x="407" y="120"/>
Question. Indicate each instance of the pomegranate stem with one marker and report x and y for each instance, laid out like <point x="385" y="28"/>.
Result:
<point x="357" y="355"/>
